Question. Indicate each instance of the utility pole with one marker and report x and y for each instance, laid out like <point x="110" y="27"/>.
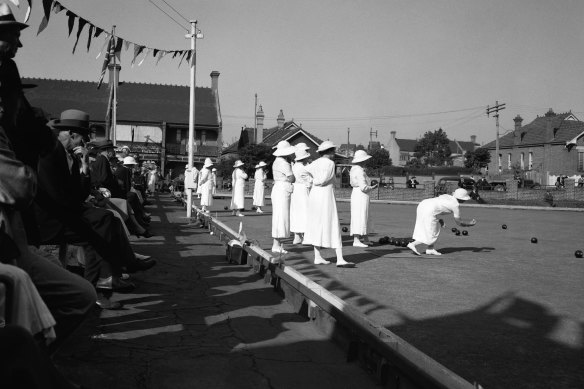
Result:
<point x="348" y="131"/>
<point x="490" y="110"/>
<point x="255" y="120"/>
<point x="371" y="132"/>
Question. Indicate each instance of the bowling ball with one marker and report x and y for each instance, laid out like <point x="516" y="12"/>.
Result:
<point x="579" y="254"/>
<point x="504" y="226"/>
<point x="533" y="240"/>
<point x="454" y="229"/>
<point x="345" y="229"/>
<point x="457" y="233"/>
<point x="465" y="232"/>
<point x="226" y="207"/>
<point x="391" y="241"/>
<point x="253" y="208"/>
<point x="374" y="182"/>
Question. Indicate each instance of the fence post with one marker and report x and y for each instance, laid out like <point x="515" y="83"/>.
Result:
<point x="570" y="185"/>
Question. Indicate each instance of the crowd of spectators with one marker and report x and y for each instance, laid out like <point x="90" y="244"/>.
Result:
<point x="58" y="189"/>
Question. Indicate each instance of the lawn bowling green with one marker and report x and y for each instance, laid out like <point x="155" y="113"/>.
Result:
<point x="494" y="308"/>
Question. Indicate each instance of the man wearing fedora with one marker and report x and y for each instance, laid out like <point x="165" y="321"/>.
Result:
<point x="23" y="138"/>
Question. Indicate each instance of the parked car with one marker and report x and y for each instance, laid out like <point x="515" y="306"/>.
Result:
<point x="445" y="183"/>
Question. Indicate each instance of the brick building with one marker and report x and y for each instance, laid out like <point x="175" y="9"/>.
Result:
<point x="549" y="146"/>
<point x="152" y="119"/>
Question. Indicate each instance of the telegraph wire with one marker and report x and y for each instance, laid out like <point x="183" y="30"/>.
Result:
<point x="173" y="19"/>
<point x="178" y="13"/>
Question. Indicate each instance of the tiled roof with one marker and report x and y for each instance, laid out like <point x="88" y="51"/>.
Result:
<point x="407" y="144"/>
<point x="137" y="102"/>
<point x="535" y="132"/>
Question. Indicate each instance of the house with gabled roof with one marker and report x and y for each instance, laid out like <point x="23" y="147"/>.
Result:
<point x="549" y="146"/>
<point x="402" y="150"/>
<point x="152" y="119"/>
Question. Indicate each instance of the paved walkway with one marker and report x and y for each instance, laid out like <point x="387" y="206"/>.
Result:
<point x="195" y="321"/>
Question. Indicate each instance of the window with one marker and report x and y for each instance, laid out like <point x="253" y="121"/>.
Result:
<point x="522" y="161"/>
<point x="403" y="156"/>
<point x="178" y="137"/>
<point x="530" y="161"/>
<point x="509" y="161"/>
<point x="581" y="161"/>
<point x="499" y="161"/>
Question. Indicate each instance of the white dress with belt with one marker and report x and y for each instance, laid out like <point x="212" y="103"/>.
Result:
<point x="206" y="186"/>
<point x="299" y="200"/>
<point x="258" y="187"/>
<point x="359" y="201"/>
<point x="238" y="178"/>
<point x="427" y="226"/>
<point x="324" y="229"/>
<point x="280" y="196"/>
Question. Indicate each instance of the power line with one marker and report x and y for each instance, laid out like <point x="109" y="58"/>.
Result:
<point x="178" y="13"/>
<point x="164" y="12"/>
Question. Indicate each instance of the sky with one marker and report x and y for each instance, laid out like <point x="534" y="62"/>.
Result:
<point x="343" y="68"/>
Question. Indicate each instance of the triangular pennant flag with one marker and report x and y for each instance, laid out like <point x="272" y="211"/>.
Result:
<point x="27" y="15"/>
<point x="126" y="45"/>
<point x="175" y="53"/>
<point x="193" y="58"/>
<point x="90" y="35"/>
<point x="161" y="54"/>
<point x="71" y="21"/>
<point x="145" y="55"/>
<point x="57" y="7"/>
<point x="47" y="13"/>
<point x="98" y="32"/>
<point x="16" y="3"/>
<point x="188" y="57"/>
<point x="82" y="23"/>
<point x="106" y="60"/>
<point x="182" y="57"/>
<point x="118" y="49"/>
<point x="137" y="50"/>
<point x="103" y="47"/>
<point x="155" y="52"/>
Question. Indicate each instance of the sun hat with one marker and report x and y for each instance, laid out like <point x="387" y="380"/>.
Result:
<point x="360" y="156"/>
<point x="301" y="154"/>
<point x="7" y="20"/>
<point x="302" y="146"/>
<point x="129" y="160"/>
<point x="461" y="194"/>
<point x="208" y="162"/>
<point x="238" y="163"/>
<point x="73" y="120"/>
<point x="124" y="147"/>
<point x="213" y="170"/>
<point x="326" y="145"/>
<point x="283" y="148"/>
<point x="261" y="164"/>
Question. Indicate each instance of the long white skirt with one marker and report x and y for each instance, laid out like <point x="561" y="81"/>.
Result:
<point x="206" y="195"/>
<point x="281" y="209"/>
<point x="359" y="212"/>
<point x="258" y="193"/>
<point x="427" y="226"/>
<point x="323" y="229"/>
<point x="238" y="198"/>
<point x="299" y="208"/>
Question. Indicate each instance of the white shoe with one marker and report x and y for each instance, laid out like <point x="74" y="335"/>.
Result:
<point x="432" y="252"/>
<point x="240" y="214"/>
<point x="142" y="257"/>
<point x="321" y="261"/>
<point x="413" y="248"/>
<point x="359" y="244"/>
<point x="259" y="211"/>
<point x="279" y="250"/>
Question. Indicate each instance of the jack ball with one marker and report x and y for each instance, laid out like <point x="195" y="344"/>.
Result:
<point x="579" y="254"/>
<point x="465" y="232"/>
<point x="533" y="240"/>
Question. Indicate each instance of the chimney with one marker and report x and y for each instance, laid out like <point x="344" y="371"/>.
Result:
<point x="281" y="119"/>
<point x="518" y="120"/>
<point x="473" y="139"/>
<point x="215" y="81"/>
<point x="392" y="136"/>
<point x="549" y="130"/>
<point x="260" y="125"/>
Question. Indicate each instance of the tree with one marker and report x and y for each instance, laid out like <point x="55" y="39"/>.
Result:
<point x="434" y="149"/>
<point x="379" y="159"/>
<point x="477" y="159"/>
<point x="252" y="154"/>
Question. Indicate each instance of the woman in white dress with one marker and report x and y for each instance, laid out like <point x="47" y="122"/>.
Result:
<point x="299" y="200"/>
<point x="428" y="225"/>
<point x="152" y="179"/>
<point x="283" y="179"/>
<point x="206" y="185"/>
<point x="238" y="178"/>
<point x="360" y="199"/>
<point x="324" y="229"/>
<point x="258" y="187"/>
<point x="214" y="181"/>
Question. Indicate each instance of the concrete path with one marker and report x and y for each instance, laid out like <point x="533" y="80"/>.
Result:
<point x="195" y="321"/>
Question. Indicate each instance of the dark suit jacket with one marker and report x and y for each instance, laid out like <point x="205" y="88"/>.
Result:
<point x="102" y="176"/>
<point x="61" y="193"/>
<point x="124" y="178"/>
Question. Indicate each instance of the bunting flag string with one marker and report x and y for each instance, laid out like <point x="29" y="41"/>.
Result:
<point x="114" y="44"/>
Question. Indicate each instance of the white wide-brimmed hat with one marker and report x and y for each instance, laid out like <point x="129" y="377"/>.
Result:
<point x="213" y="170"/>
<point x="283" y="148"/>
<point x="327" y="144"/>
<point x="261" y="164"/>
<point x="461" y="194"/>
<point x="301" y="154"/>
<point x="302" y="146"/>
<point x="129" y="160"/>
<point x="208" y="162"/>
<point x="238" y="163"/>
<point x="360" y="156"/>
